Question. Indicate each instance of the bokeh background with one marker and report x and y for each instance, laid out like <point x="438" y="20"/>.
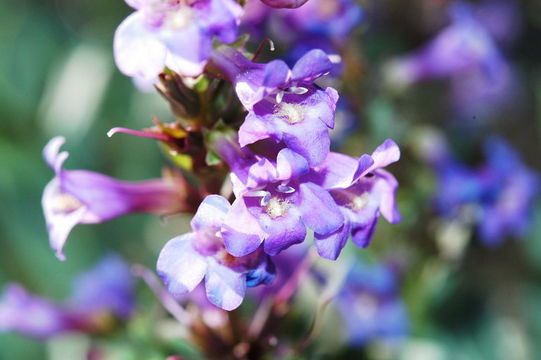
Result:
<point x="57" y="77"/>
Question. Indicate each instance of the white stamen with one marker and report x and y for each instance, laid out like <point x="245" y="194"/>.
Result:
<point x="279" y="97"/>
<point x="277" y="207"/>
<point x="359" y="202"/>
<point x="293" y="113"/>
<point x="299" y="90"/>
<point x="285" y="189"/>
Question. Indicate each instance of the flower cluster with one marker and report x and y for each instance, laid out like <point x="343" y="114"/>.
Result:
<point x="270" y="146"/>
<point x="284" y="178"/>
<point x="499" y="205"/>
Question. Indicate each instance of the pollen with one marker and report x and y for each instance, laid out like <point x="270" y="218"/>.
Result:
<point x="65" y="203"/>
<point x="180" y="18"/>
<point x="276" y="207"/>
<point x="292" y="113"/>
<point x="359" y="202"/>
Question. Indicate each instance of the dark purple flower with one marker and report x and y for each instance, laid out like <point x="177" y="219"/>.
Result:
<point x="500" y="205"/>
<point x="283" y="103"/>
<point x="363" y="191"/>
<point x="290" y="4"/>
<point x="85" y="197"/>
<point x="370" y="304"/>
<point x="172" y="33"/>
<point x="276" y="201"/>
<point x="188" y="259"/>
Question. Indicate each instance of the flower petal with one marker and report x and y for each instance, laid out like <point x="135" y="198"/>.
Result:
<point x="290" y="165"/>
<point x="241" y="232"/>
<point x="180" y="266"/>
<point x="211" y="213"/>
<point x="338" y="171"/>
<point x="276" y="74"/>
<point x="311" y="66"/>
<point x="363" y="235"/>
<point x="52" y="154"/>
<point x="318" y="210"/>
<point x="225" y="287"/>
<point x="59" y="223"/>
<point x="282" y="232"/>
<point x="137" y="50"/>
<point x="329" y="246"/>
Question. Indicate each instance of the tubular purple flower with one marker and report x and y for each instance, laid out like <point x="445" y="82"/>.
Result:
<point x="34" y="316"/>
<point x="464" y="45"/>
<point x="284" y="104"/>
<point x="274" y="206"/>
<point x="188" y="259"/>
<point x="363" y="191"/>
<point x="85" y="197"/>
<point x="172" y="33"/>
<point x="104" y="289"/>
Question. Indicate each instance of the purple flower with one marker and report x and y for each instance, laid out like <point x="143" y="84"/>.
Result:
<point x="330" y="20"/>
<point x="85" y="197"/>
<point x="291" y="4"/>
<point x="500" y="205"/>
<point x="188" y="259"/>
<point x="172" y="33"/>
<point x="105" y="289"/>
<point x="363" y="191"/>
<point x="276" y="201"/>
<point x="34" y="316"/>
<point x="283" y="103"/>
<point x="371" y="306"/>
<point x="463" y="46"/>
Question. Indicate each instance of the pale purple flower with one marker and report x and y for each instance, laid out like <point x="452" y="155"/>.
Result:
<point x="187" y="260"/>
<point x="371" y="307"/>
<point x="464" y="46"/>
<point x="284" y="104"/>
<point x="105" y="289"/>
<point x="85" y="197"/>
<point x="363" y="191"/>
<point x="276" y="201"/>
<point x="172" y="33"/>
<point x="34" y="316"/>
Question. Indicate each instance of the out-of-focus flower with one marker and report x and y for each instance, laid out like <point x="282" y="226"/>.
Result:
<point x="466" y="53"/>
<point x="108" y="287"/>
<point x="276" y="201"/>
<point x="188" y="259"/>
<point x="284" y="104"/>
<point x="324" y="23"/>
<point x="497" y="196"/>
<point x="362" y="196"/>
<point x="371" y="306"/>
<point x="34" y="316"/>
<point x="172" y="33"/>
<point x="102" y="291"/>
<point x="291" y="4"/>
<point x="85" y="197"/>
